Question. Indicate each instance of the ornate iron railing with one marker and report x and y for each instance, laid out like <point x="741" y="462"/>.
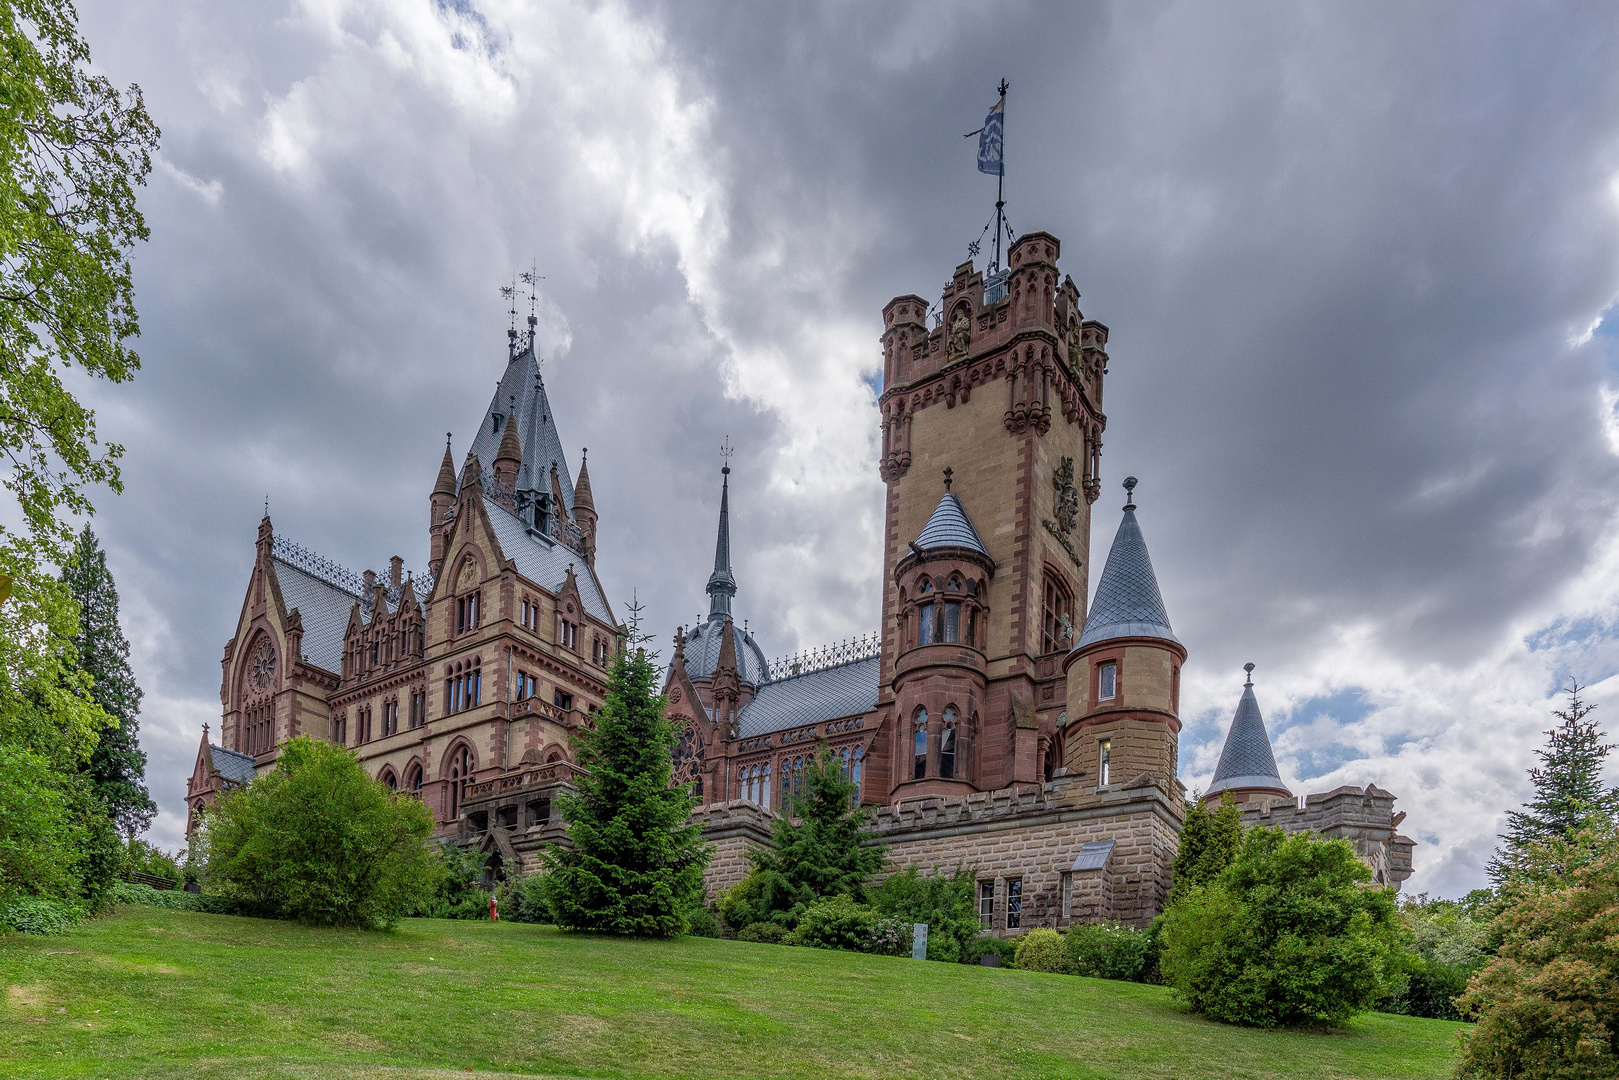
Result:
<point x="341" y="577"/>
<point x="827" y="656"/>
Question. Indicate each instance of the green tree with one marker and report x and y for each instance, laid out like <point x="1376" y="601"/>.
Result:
<point x="635" y="864"/>
<point x="117" y="766"/>
<point x="320" y="841"/>
<point x="1547" y="1005"/>
<point x="1289" y="932"/>
<point x="1209" y="842"/>
<point x="73" y="149"/>
<point x="943" y="901"/>
<point x="817" y="846"/>
<point x="1568" y="787"/>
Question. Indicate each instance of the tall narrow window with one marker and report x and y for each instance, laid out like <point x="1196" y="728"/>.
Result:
<point x="764" y="787"/>
<point x="947" y="745"/>
<point x="952" y="622"/>
<point x="986" y="904"/>
<point x="1014" y="903"/>
<point x="924" y="627"/>
<point x="562" y="699"/>
<point x="1107" y="681"/>
<point x="1104" y="762"/>
<point x="859" y="769"/>
<point x="1068" y="896"/>
<point x="919" y="743"/>
<point x="1056" y="629"/>
<point x="460" y="770"/>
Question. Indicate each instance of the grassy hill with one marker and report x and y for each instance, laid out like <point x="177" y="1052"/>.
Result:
<point x="156" y="993"/>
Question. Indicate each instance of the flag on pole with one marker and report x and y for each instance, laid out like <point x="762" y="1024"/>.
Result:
<point x="989" y="139"/>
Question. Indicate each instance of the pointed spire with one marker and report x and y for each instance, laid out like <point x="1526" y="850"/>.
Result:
<point x="1127" y="601"/>
<point x="582" y="498"/>
<point x="511" y="449"/>
<point x="721" y="583"/>
<point x="446" y="471"/>
<point x="949" y="526"/>
<point x="1247" y="763"/>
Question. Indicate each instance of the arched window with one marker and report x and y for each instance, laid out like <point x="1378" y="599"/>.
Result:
<point x="764" y="785"/>
<point x="748" y="780"/>
<point x="413" y="778"/>
<point x="1057" y="625"/>
<point x="947" y="744"/>
<point x="389" y="780"/>
<point x="857" y="771"/>
<point x="460" y="771"/>
<point x="924" y="627"/>
<point x="919" y="753"/>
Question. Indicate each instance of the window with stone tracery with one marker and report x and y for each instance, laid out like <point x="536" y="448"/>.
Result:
<point x="947" y="744"/>
<point x="919" y="746"/>
<point x="1056" y="632"/>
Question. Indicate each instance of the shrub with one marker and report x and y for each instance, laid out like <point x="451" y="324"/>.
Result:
<point x="1109" y="951"/>
<point x="944" y="902"/>
<point x="37" y="915"/>
<point x="143" y="858"/>
<point x="890" y="937"/>
<point x="739" y="905"/>
<point x="840" y="923"/>
<point x="1041" y="950"/>
<point x="522" y="899"/>
<point x="320" y="840"/>
<point x="700" y="922"/>
<point x="1289" y="932"/>
<point x="1548" y="1003"/>
<point x="1450" y="946"/>
<point x="453" y="886"/>
<point x="767" y="933"/>
<point x="979" y="947"/>
<point x="41" y="839"/>
<point x="1208" y="843"/>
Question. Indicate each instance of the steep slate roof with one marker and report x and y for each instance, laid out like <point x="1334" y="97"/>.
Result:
<point x="1247" y="760"/>
<point x="812" y="698"/>
<point x="721" y="586"/>
<point x="1127" y="601"/>
<point x="950" y="527"/>
<point x="536" y="428"/>
<point x="544" y="561"/>
<point x="703" y="651"/>
<point x="237" y="768"/>
<point x="324" y="609"/>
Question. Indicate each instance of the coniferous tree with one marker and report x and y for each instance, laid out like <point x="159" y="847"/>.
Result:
<point x="635" y="865"/>
<point x="1209" y="842"/>
<point x="1569" y="792"/>
<point x="117" y="766"/>
<point x="821" y="854"/>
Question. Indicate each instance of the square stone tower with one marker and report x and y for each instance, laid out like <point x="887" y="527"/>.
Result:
<point x="992" y="423"/>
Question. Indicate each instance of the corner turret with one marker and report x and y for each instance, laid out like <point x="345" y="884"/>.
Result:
<point x="440" y="506"/>
<point x="1247" y="766"/>
<point x="584" y="509"/>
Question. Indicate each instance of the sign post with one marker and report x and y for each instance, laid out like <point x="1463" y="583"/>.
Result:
<point x="919" y="941"/>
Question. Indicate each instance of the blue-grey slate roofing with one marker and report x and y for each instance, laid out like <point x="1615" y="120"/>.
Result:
<point x="812" y="698"/>
<point x="536" y="429"/>
<point x="1093" y="856"/>
<point x="703" y="652"/>
<point x="1127" y="601"/>
<point x="237" y="768"/>
<point x="950" y="527"/>
<point x="324" y="609"/>
<point x="1247" y="760"/>
<point x="544" y="561"/>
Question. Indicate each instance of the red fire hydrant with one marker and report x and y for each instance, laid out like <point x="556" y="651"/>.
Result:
<point x="494" y="910"/>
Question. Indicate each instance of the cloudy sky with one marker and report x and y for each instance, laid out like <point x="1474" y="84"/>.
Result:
<point x="1355" y="265"/>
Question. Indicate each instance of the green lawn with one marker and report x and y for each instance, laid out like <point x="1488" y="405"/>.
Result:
<point x="150" y="992"/>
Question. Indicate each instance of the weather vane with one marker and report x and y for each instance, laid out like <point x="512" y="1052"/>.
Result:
<point x="725" y="455"/>
<point x="532" y="278"/>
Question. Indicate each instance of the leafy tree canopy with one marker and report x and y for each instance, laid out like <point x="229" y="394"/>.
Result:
<point x="320" y="841"/>
<point x="635" y="865"/>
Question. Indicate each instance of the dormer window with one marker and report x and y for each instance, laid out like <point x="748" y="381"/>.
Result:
<point x="494" y="420"/>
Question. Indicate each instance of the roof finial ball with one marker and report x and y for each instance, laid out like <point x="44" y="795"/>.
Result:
<point x="1249" y="668"/>
<point x="1130" y="490"/>
<point x="948" y="473"/>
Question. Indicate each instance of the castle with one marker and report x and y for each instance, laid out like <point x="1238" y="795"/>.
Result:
<point x="992" y="721"/>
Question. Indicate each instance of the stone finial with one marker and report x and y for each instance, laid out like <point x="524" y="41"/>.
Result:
<point x="1249" y="669"/>
<point x="1130" y="483"/>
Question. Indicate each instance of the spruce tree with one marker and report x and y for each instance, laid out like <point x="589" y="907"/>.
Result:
<point x="635" y="865"/>
<point x="821" y="854"/>
<point x="1209" y="843"/>
<point x="117" y="766"/>
<point x="1569" y="791"/>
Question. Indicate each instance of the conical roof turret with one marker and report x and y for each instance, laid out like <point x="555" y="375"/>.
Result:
<point x="1127" y="601"/>
<point x="582" y="498"/>
<point x="511" y="448"/>
<point x="722" y="583"/>
<point x="446" y="472"/>
<point x="1246" y="761"/>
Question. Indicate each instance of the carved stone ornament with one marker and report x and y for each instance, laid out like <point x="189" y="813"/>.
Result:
<point x="1067" y="509"/>
<point x="960" y="334"/>
<point x="261" y="670"/>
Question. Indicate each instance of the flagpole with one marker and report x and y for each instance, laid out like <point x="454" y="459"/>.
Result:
<point x="1000" y="180"/>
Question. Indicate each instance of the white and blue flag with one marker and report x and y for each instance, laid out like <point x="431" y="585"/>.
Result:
<point x="989" y="139"/>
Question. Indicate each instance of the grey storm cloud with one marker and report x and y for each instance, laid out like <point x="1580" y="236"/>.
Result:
<point x="1351" y="260"/>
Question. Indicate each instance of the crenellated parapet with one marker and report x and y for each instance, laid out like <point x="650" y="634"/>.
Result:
<point x="1363" y="816"/>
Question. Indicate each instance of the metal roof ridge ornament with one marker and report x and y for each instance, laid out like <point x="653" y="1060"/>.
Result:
<point x="1130" y="483"/>
<point x="837" y="654"/>
<point x="335" y="574"/>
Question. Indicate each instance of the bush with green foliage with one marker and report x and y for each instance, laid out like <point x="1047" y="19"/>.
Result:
<point x="42" y="841"/>
<point x="817" y="849"/>
<point x="454" y="886"/>
<point x="738" y="905"/>
<point x="129" y="892"/>
<point x="700" y="922"/>
<point x="1450" y="941"/>
<point x="143" y="858"/>
<point x="1289" y="932"/>
<point x="837" y="922"/>
<point x="37" y="915"/>
<point x="1041" y="950"/>
<point x="321" y="841"/>
<point x="767" y="933"/>
<point x="980" y="947"/>
<point x="522" y="899"/>
<point x="635" y="865"/>
<point x="1208" y="844"/>
<point x="1547" y="1005"/>
<point x="1110" y="951"/>
<point x="944" y="902"/>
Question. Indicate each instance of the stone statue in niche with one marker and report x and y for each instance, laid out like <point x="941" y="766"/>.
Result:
<point x="960" y="333"/>
<point x="1067" y="496"/>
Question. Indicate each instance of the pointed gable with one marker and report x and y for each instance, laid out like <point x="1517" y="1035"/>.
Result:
<point x="950" y="527"/>
<point x="1247" y="761"/>
<point x="536" y="428"/>
<point x="1127" y="601"/>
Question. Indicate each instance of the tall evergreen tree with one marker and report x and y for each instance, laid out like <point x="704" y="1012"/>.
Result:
<point x="117" y="766"/>
<point x="635" y="865"/>
<point x="1209" y="843"/>
<point x="821" y="854"/>
<point x="1569" y="791"/>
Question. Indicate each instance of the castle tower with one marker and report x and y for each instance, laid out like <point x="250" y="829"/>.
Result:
<point x="1006" y="391"/>
<point x="1247" y="766"/>
<point x="1123" y="676"/>
<point x="584" y="509"/>
<point x="708" y="641"/>
<point x="439" y="505"/>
